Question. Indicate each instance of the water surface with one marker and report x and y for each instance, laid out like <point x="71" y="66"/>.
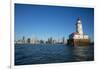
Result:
<point x="26" y="54"/>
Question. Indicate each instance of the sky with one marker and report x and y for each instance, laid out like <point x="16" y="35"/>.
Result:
<point x="43" y="21"/>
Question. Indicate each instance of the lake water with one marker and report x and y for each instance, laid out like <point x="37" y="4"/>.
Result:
<point x="26" y="54"/>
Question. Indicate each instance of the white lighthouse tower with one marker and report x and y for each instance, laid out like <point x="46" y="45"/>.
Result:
<point x="78" y="37"/>
<point x="79" y="28"/>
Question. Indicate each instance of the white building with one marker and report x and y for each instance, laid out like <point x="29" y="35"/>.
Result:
<point x="78" y="37"/>
<point x="79" y="34"/>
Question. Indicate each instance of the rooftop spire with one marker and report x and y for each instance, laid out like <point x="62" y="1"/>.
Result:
<point x="79" y="18"/>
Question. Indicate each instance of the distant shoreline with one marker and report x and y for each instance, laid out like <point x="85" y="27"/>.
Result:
<point x="44" y="44"/>
<point x="39" y="44"/>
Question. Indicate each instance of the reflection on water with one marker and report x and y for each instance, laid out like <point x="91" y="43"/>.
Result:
<point x="83" y="53"/>
<point x="40" y="54"/>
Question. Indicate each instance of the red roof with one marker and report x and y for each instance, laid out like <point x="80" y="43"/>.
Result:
<point x="75" y="33"/>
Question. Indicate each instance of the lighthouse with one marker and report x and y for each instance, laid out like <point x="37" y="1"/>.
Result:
<point x="78" y="37"/>
<point x="79" y="26"/>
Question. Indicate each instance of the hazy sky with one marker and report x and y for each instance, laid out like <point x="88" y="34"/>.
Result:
<point x="44" y="21"/>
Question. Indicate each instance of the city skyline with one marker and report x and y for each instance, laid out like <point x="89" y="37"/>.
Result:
<point x="50" y="40"/>
<point x="43" y="21"/>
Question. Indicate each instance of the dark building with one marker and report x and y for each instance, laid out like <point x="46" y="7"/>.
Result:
<point x="28" y="40"/>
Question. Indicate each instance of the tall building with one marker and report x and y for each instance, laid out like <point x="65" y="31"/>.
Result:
<point x="64" y="40"/>
<point x="23" y="40"/>
<point x="78" y="37"/>
<point x="28" y="40"/>
<point x="50" y="40"/>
